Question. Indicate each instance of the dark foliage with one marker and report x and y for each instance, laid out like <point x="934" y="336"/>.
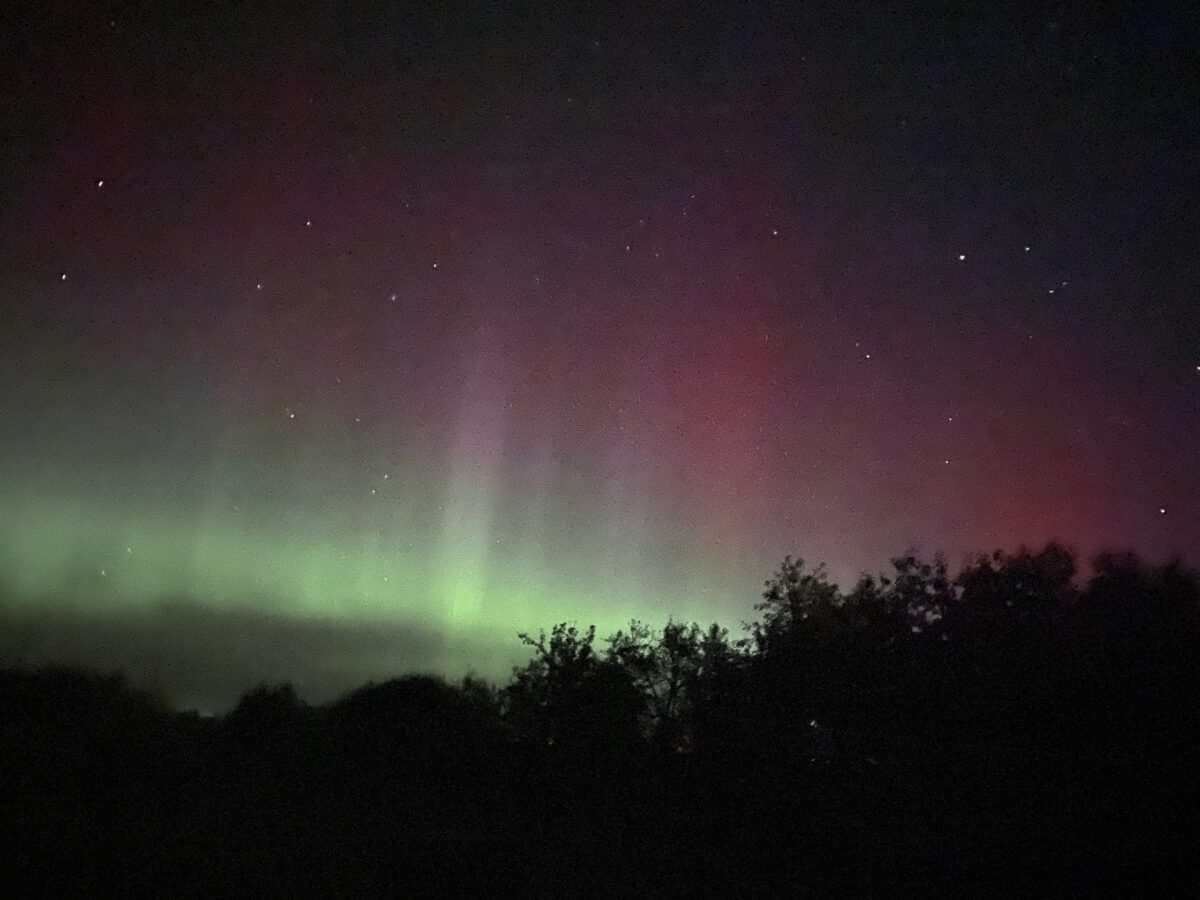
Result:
<point x="1010" y="729"/>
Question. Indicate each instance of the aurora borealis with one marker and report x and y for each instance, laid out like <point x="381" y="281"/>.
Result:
<point x="474" y="320"/>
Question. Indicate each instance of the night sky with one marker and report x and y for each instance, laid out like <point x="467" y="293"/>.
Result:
<point x="335" y="344"/>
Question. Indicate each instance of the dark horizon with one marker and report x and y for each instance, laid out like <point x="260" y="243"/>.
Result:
<point x="204" y="657"/>
<point x="1004" y="728"/>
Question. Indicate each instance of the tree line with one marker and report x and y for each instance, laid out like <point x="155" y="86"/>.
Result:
<point x="1012" y="726"/>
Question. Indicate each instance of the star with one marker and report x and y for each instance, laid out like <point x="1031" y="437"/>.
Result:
<point x="1027" y="249"/>
<point x="961" y="257"/>
<point x="1162" y="510"/>
<point x="258" y="286"/>
<point x="100" y="183"/>
<point x="63" y="277"/>
<point x="308" y="223"/>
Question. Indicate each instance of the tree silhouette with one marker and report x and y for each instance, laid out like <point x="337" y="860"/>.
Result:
<point x="567" y="695"/>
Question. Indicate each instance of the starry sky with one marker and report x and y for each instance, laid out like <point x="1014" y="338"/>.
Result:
<point x="336" y="343"/>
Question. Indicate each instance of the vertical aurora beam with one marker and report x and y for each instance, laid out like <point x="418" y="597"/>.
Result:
<point x="475" y="461"/>
<point x="625" y="536"/>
